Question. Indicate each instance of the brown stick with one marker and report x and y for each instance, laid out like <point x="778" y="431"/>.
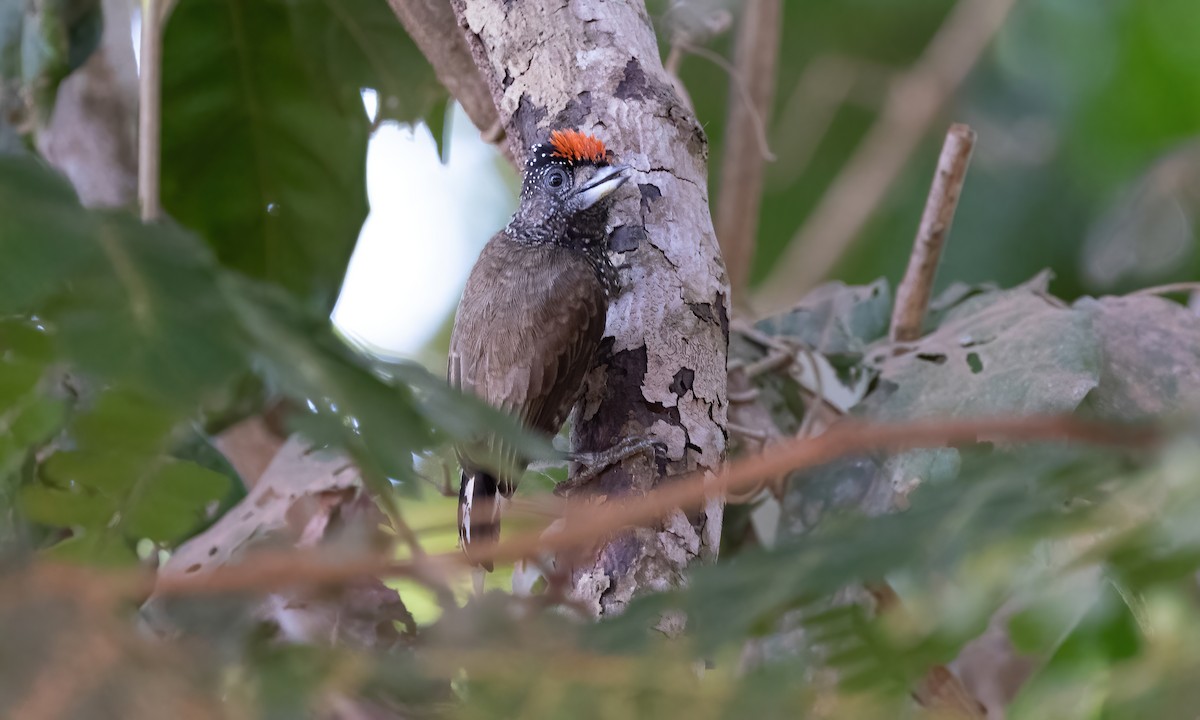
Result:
<point x="912" y="296"/>
<point x="743" y="161"/>
<point x="914" y="101"/>
<point x="587" y="523"/>
<point x="1168" y="289"/>
<point x="150" y="110"/>
<point x="434" y="28"/>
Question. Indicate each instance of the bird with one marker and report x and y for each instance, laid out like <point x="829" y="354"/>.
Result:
<point x="532" y="315"/>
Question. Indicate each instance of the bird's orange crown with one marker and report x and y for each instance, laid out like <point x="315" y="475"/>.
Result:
<point x="575" y="146"/>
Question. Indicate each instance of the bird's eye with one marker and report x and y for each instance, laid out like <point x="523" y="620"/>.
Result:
<point x="556" y="178"/>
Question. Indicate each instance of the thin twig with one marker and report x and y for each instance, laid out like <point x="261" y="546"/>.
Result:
<point x="743" y="163"/>
<point x="744" y="396"/>
<point x="759" y="126"/>
<point x="752" y="422"/>
<point x="914" y="101"/>
<point x="774" y="360"/>
<point x="587" y="523"/>
<point x="1168" y="289"/>
<point x="913" y="293"/>
<point x="150" y="111"/>
<point x="826" y="83"/>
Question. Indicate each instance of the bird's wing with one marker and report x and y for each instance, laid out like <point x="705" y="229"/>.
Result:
<point x="528" y="326"/>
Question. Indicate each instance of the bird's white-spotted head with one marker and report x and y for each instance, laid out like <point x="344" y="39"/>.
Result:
<point x="568" y="186"/>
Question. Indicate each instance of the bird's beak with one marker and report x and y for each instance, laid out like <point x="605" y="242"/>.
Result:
<point x="603" y="183"/>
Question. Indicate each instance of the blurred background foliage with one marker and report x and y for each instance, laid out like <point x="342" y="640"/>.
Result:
<point x="126" y="350"/>
<point x="1077" y="106"/>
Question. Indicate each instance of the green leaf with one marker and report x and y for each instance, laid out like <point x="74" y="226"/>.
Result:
<point x="95" y="548"/>
<point x="836" y="319"/>
<point x="47" y="236"/>
<point x="26" y="339"/>
<point x="1011" y="352"/>
<point x="459" y="415"/>
<point x="127" y="301"/>
<point x="259" y="156"/>
<point x="200" y="449"/>
<point x="17" y="379"/>
<point x="349" y="406"/>
<point x="174" y="501"/>
<point x="359" y="44"/>
<point x="111" y="474"/>
<point x="66" y="508"/>
<point x="126" y="421"/>
<point x="40" y="420"/>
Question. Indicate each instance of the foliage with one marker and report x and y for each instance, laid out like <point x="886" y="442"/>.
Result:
<point x="124" y="345"/>
<point x="1075" y="105"/>
<point x="264" y="132"/>
<point x="157" y="334"/>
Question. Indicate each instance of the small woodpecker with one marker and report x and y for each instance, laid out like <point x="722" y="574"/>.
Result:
<point x="532" y="315"/>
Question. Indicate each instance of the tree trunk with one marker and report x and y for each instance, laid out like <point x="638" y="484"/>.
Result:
<point x="92" y="135"/>
<point x="594" y="65"/>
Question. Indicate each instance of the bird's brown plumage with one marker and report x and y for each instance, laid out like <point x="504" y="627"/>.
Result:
<point x="532" y="316"/>
<point x="520" y="298"/>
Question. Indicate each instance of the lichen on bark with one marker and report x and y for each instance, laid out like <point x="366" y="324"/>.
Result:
<point x="595" y="65"/>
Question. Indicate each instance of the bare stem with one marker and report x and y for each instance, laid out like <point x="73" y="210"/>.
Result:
<point x="1168" y="289"/>
<point x="746" y="152"/>
<point x="912" y="296"/>
<point x="150" y="111"/>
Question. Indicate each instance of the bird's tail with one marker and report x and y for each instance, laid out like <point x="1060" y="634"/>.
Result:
<point x="479" y="498"/>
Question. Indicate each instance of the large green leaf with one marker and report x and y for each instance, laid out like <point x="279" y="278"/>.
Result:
<point x="265" y="134"/>
<point x="124" y="300"/>
<point x="160" y="331"/>
<point x="117" y="485"/>
<point x="265" y="162"/>
<point x="359" y="44"/>
<point x="1012" y="352"/>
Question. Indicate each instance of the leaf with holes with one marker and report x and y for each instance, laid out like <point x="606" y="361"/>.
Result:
<point x="1001" y="352"/>
<point x="1010" y="352"/>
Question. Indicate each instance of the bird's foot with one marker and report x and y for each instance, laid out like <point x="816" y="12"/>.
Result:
<point x="595" y="463"/>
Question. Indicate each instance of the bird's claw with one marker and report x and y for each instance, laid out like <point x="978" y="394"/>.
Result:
<point x="595" y="463"/>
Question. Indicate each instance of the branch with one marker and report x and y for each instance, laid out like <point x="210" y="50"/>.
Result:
<point x="587" y="524"/>
<point x="744" y="158"/>
<point x="432" y="26"/>
<point x="913" y="293"/>
<point x="315" y="502"/>
<point x="914" y="102"/>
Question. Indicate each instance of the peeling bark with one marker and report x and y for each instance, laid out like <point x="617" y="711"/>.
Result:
<point x="595" y="66"/>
